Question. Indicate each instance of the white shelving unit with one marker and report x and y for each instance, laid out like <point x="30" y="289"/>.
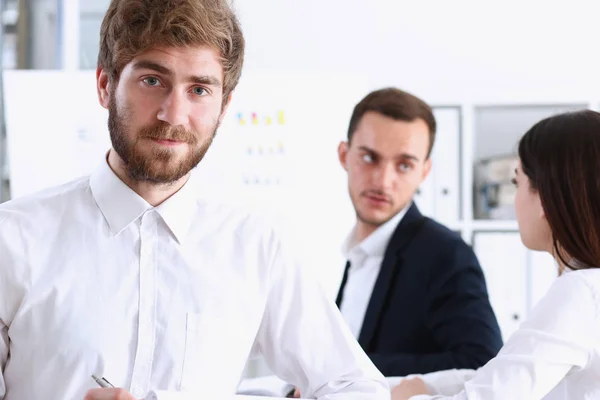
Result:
<point x="517" y="117"/>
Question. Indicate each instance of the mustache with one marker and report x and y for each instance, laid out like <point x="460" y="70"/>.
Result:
<point x="164" y="131"/>
<point x="378" y="193"/>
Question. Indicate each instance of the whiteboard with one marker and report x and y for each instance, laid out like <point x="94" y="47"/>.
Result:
<point x="290" y="168"/>
<point x="276" y="148"/>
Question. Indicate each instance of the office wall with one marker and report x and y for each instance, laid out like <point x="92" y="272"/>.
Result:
<point x="446" y="51"/>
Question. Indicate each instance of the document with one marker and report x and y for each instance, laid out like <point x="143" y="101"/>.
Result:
<point x="165" y="395"/>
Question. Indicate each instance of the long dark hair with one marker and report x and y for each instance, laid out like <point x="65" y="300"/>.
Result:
<point x="561" y="157"/>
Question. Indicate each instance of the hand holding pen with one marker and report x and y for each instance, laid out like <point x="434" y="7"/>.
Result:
<point x="107" y="391"/>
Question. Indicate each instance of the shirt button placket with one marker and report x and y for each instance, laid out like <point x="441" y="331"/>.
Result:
<point x="147" y="306"/>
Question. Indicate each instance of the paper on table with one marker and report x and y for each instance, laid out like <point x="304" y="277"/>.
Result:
<point x="446" y="382"/>
<point x="166" y="395"/>
<point x="269" y="385"/>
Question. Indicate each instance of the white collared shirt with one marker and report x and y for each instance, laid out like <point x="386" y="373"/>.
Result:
<point x="365" y="262"/>
<point x="93" y="280"/>
<point x="555" y="354"/>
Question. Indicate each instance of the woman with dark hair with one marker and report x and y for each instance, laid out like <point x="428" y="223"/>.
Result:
<point x="556" y="353"/>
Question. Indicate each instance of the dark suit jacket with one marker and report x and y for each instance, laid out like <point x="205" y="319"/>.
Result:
<point x="429" y="310"/>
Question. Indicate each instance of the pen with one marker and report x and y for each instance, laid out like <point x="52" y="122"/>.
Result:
<point x="102" y="382"/>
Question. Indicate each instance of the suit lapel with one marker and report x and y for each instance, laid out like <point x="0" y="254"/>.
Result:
<point x="390" y="266"/>
<point x="378" y="296"/>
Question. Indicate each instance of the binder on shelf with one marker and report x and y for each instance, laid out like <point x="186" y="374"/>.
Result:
<point x="446" y="165"/>
<point x="439" y="195"/>
<point x="425" y="197"/>
<point x="503" y="259"/>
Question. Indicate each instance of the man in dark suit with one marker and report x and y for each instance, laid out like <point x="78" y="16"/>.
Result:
<point x="413" y="292"/>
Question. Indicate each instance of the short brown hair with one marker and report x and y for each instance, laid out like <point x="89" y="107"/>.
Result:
<point x="131" y="27"/>
<point x="397" y="104"/>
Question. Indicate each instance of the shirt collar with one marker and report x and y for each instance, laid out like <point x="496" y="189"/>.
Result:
<point x="121" y="206"/>
<point x="118" y="203"/>
<point x="178" y="210"/>
<point x="375" y="244"/>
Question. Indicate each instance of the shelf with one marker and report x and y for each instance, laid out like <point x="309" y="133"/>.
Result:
<point x="494" y="225"/>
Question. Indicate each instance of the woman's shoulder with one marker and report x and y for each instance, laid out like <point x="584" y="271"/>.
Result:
<point x="569" y="310"/>
<point x="589" y="277"/>
<point x="573" y="294"/>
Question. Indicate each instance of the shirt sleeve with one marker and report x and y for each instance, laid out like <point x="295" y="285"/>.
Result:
<point x="3" y="357"/>
<point x="11" y="262"/>
<point x="5" y="262"/>
<point x="557" y="338"/>
<point x="305" y="340"/>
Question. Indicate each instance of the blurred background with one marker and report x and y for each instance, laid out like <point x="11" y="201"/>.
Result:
<point x="490" y="69"/>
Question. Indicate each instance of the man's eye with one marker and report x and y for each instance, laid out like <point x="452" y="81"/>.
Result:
<point x="405" y="167"/>
<point x="151" y="81"/>
<point x="199" y="91"/>
<point x="367" y="158"/>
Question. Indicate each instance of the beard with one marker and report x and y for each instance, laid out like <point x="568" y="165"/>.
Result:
<point x="159" y="165"/>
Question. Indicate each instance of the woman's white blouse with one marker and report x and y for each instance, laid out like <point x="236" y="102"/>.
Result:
<point x="554" y="355"/>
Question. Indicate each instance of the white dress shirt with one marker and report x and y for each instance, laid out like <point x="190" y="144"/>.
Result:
<point x="365" y="262"/>
<point x="555" y="355"/>
<point x="94" y="280"/>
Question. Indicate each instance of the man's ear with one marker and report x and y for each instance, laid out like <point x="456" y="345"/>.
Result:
<point x="225" y="107"/>
<point x="343" y="148"/>
<point x="103" y="87"/>
<point x="426" y="169"/>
